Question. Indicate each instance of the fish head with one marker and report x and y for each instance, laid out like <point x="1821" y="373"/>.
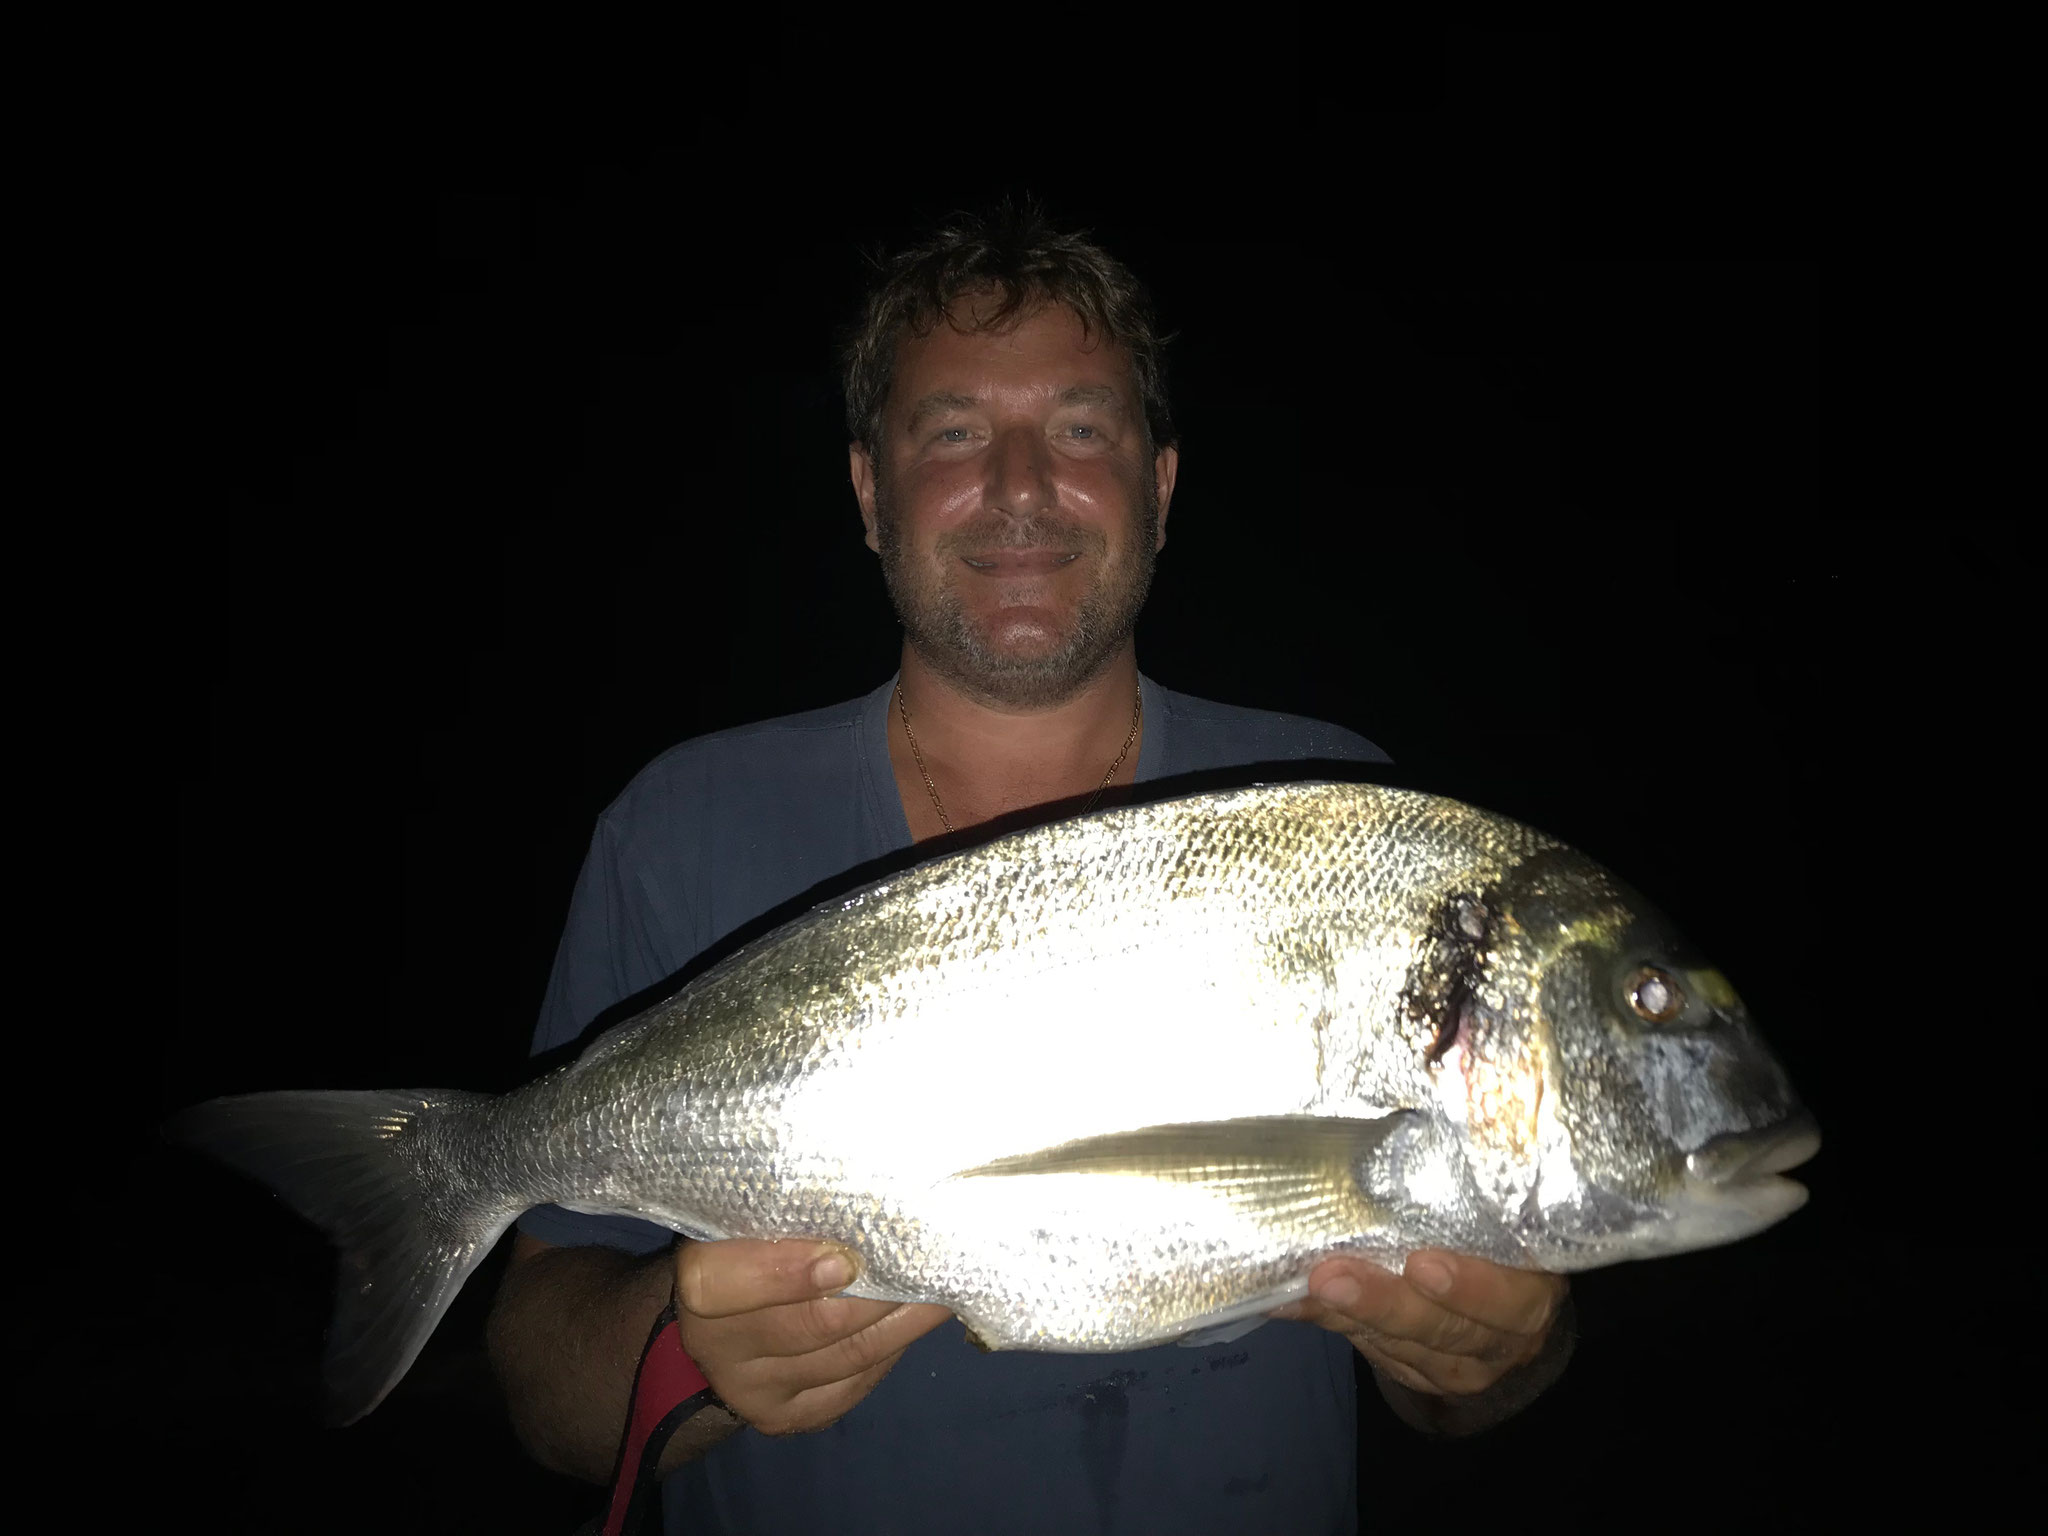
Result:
<point x="1616" y="1096"/>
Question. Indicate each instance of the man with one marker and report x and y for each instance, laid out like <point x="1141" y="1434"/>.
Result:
<point x="1014" y="460"/>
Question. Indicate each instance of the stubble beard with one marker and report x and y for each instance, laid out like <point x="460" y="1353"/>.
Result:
<point x="966" y="655"/>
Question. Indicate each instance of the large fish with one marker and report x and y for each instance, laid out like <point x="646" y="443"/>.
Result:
<point x="1108" y="1082"/>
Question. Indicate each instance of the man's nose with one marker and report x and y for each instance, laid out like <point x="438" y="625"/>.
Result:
<point x="1019" y="473"/>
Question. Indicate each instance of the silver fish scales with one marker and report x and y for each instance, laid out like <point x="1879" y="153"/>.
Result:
<point x="1112" y="1081"/>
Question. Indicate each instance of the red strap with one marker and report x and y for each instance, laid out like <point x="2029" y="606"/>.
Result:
<point x="667" y="1389"/>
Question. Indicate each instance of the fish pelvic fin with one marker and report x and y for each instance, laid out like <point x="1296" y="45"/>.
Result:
<point x="1306" y="1170"/>
<point x="380" y="1175"/>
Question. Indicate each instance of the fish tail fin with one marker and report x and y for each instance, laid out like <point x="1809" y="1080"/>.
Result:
<point x="381" y="1175"/>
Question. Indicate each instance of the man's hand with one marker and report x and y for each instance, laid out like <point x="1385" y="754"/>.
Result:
<point x="777" y="1346"/>
<point x="1457" y="1339"/>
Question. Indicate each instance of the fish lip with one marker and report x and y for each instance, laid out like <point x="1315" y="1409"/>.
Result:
<point x="1753" y="1156"/>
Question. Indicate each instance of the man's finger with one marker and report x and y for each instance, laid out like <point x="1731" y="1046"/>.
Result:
<point x="806" y="1327"/>
<point x="1518" y="1301"/>
<point x="1431" y="1370"/>
<point x="1386" y="1305"/>
<point x="821" y="1406"/>
<point x="1406" y="1374"/>
<point x="781" y="1396"/>
<point x="739" y="1275"/>
<point x="1354" y="1295"/>
<point x="858" y="1349"/>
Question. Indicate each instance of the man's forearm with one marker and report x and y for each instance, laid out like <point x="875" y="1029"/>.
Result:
<point x="1450" y="1415"/>
<point x="565" y="1336"/>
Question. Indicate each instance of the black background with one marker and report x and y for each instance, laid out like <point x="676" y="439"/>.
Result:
<point x="520" y="458"/>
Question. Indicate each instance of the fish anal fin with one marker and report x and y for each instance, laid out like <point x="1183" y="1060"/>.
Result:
<point x="1221" y="1333"/>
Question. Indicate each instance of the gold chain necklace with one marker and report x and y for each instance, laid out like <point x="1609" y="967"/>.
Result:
<point x="903" y="709"/>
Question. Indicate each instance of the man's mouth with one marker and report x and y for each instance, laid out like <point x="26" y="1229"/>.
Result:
<point x="1020" y="562"/>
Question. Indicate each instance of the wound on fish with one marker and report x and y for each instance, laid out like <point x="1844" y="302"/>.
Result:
<point x="1443" y="981"/>
<point x="1452" y="1024"/>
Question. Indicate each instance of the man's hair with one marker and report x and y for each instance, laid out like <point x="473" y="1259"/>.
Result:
<point x="1016" y="253"/>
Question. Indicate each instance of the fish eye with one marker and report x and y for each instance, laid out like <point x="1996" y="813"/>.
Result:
<point x="1656" y="998"/>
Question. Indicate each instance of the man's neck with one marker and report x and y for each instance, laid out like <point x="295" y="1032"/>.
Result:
<point x="985" y="761"/>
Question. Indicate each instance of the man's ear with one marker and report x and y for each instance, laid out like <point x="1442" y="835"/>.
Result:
<point x="1164" y="467"/>
<point x="863" y="473"/>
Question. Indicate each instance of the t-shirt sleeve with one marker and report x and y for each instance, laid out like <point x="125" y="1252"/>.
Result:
<point x="1204" y="737"/>
<point x="1339" y="745"/>
<point x="612" y="947"/>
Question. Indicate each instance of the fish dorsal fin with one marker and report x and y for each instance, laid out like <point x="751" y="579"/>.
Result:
<point x="1302" y="1168"/>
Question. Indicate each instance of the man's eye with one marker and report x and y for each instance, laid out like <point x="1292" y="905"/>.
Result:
<point x="953" y="435"/>
<point x="1081" y="430"/>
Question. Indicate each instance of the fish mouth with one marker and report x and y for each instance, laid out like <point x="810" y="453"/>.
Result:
<point x="1732" y="1187"/>
<point x="1754" y="1157"/>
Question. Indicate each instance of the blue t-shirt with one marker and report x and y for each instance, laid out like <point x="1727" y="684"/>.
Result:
<point x="1258" y="1434"/>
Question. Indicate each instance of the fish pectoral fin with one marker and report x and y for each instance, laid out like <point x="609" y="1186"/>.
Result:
<point x="1298" y="1168"/>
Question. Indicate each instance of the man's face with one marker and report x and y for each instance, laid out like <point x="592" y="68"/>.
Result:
<point x="1014" y="504"/>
